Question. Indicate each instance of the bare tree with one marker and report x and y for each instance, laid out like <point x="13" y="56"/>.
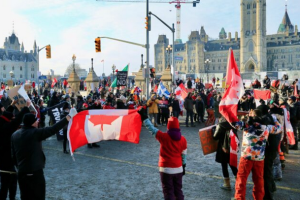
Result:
<point x="70" y="68"/>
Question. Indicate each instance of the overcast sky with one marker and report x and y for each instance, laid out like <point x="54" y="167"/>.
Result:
<point x="71" y="26"/>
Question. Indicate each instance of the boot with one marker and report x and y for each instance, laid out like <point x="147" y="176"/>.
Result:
<point x="226" y="185"/>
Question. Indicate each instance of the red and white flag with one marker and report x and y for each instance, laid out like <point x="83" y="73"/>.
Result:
<point x="92" y="126"/>
<point x="181" y="93"/>
<point x="295" y="90"/>
<point x="1" y="93"/>
<point x="261" y="94"/>
<point x="54" y="82"/>
<point x="234" y="149"/>
<point x="288" y="127"/>
<point x="229" y="103"/>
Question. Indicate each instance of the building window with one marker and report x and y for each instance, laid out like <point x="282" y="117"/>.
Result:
<point x="254" y="5"/>
<point x="4" y="67"/>
<point x="21" y="76"/>
<point x="250" y="47"/>
<point x="4" y="75"/>
<point x="20" y="68"/>
<point x="13" y="68"/>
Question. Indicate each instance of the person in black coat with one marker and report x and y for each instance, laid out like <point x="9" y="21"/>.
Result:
<point x="267" y="82"/>
<point x="54" y="99"/>
<point x="8" y="126"/>
<point x="175" y="107"/>
<point x="27" y="152"/>
<point x="222" y="156"/>
<point x="65" y="112"/>
<point x="189" y="84"/>
<point x="200" y="108"/>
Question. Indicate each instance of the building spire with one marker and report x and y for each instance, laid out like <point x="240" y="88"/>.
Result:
<point x="285" y="5"/>
<point x="13" y="28"/>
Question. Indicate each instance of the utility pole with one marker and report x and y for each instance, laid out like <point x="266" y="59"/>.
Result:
<point x="147" y="52"/>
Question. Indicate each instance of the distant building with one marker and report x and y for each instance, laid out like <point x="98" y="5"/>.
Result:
<point x="254" y="50"/>
<point x="13" y="57"/>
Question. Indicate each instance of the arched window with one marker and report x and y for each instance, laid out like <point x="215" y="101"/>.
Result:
<point x="254" y="5"/>
<point x="250" y="46"/>
<point x="20" y="68"/>
<point x="4" y="68"/>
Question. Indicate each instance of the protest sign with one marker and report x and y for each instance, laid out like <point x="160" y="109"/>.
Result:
<point x="209" y="145"/>
<point x="121" y="78"/>
<point x="54" y="113"/>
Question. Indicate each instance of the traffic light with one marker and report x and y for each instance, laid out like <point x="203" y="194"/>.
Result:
<point x="148" y="23"/>
<point x="152" y="72"/>
<point x="48" y="51"/>
<point x="98" y="44"/>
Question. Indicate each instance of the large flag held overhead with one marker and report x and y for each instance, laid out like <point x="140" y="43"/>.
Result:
<point x="162" y="90"/>
<point x="54" y="82"/>
<point x="261" y="94"/>
<point x="114" y="83"/>
<point x="181" y="92"/>
<point x="229" y="103"/>
<point x="92" y="126"/>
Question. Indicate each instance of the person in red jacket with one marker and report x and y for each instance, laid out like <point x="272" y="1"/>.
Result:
<point x="172" y="156"/>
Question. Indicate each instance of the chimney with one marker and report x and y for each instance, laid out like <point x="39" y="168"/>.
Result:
<point x="236" y="36"/>
<point x="296" y="30"/>
<point x="229" y="36"/>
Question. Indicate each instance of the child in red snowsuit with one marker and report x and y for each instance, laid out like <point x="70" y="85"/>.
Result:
<point x="172" y="156"/>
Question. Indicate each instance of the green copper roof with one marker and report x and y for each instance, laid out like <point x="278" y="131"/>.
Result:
<point x="281" y="28"/>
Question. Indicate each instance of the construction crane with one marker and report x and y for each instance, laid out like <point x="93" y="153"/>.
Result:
<point x="177" y="6"/>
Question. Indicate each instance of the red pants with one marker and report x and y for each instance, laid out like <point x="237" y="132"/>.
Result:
<point x="245" y="167"/>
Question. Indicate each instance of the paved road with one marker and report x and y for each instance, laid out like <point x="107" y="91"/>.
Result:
<point x="120" y="170"/>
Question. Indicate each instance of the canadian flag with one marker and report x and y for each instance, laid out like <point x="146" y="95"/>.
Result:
<point x="1" y="93"/>
<point x="53" y="82"/>
<point x="181" y="93"/>
<point x="92" y="126"/>
<point x="229" y="103"/>
<point x="234" y="149"/>
<point x="261" y="94"/>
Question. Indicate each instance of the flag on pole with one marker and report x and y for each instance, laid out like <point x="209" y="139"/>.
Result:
<point x="114" y="83"/>
<point x="162" y="90"/>
<point x="54" y="82"/>
<point x="181" y="92"/>
<point x="261" y="94"/>
<point x="92" y="126"/>
<point x="234" y="149"/>
<point x="229" y="103"/>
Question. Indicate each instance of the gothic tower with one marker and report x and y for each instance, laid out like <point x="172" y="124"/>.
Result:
<point x="253" y="49"/>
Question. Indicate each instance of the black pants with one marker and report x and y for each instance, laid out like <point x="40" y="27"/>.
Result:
<point x="172" y="186"/>
<point x="200" y="117"/>
<point x="189" y="114"/>
<point x="32" y="186"/>
<point x="8" y="184"/>
<point x="269" y="183"/>
<point x="164" y="118"/>
<point x="225" y="170"/>
<point x="65" y="141"/>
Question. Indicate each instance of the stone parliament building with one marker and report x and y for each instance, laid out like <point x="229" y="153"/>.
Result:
<point x="254" y="50"/>
<point x="13" y="57"/>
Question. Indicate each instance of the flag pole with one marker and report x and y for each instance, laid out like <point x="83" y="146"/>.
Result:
<point x="227" y="70"/>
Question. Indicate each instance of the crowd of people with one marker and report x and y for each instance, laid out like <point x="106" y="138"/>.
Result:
<point x="265" y="135"/>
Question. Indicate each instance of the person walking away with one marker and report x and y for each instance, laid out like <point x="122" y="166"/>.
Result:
<point x="27" y="152"/>
<point x="188" y="105"/>
<point x="8" y="125"/>
<point x="152" y="105"/>
<point x="189" y="84"/>
<point x="222" y="133"/>
<point x="200" y="108"/>
<point x="175" y="106"/>
<point x="172" y="156"/>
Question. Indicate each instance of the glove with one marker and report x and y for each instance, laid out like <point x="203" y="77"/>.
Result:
<point x="72" y="112"/>
<point x="143" y="114"/>
<point x="183" y="167"/>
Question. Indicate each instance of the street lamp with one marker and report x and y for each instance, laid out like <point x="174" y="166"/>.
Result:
<point x="73" y="58"/>
<point x="113" y="69"/>
<point x="206" y="67"/>
<point x="169" y="50"/>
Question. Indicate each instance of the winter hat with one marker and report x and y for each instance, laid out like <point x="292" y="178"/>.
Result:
<point x="173" y="123"/>
<point x="29" y="119"/>
<point x="66" y="106"/>
<point x="8" y="115"/>
<point x="264" y="109"/>
<point x="293" y="98"/>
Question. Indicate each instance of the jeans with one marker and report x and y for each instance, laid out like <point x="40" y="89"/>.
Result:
<point x="176" y="113"/>
<point x="189" y="114"/>
<point x="32" y="186"/>
<point x="172" y="186"/>
<point x="8" y="184"/>
<point x="153" y="115"/>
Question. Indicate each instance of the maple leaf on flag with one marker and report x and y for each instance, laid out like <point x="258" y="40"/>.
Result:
<point x="101" y="120"/>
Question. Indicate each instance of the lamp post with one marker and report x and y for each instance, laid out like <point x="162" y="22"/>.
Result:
<point x="207" y="61"/>
<point x="74" y="58"/>
<point x="169" y="49"/>
<point x="113" y="69"/>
